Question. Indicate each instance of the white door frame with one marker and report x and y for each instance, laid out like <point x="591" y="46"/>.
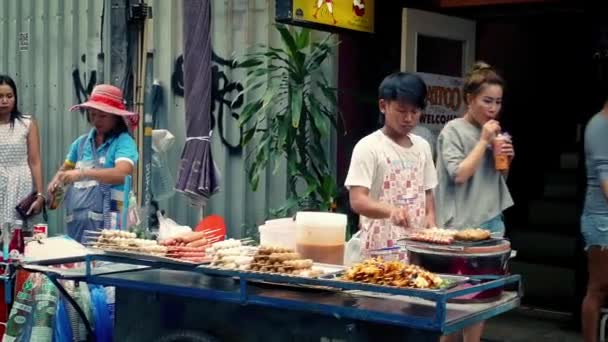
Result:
<point x="415" y="22"/>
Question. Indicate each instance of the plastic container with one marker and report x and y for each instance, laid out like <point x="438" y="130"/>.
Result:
<point x="501" y="161"/>
<point x="278" y="233"/>
<point x="389" y="254"/>
<point x="320" y="236"/>
<point x="352" y="254"/>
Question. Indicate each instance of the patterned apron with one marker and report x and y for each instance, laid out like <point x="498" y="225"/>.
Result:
<point x="403" y="187"/>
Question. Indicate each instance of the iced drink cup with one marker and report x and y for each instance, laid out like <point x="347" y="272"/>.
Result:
<point x="501" y="160"/>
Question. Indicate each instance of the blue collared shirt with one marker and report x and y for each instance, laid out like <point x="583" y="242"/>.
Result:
<point x="113" y="150"/>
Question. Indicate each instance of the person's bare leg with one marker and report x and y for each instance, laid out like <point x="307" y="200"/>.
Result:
<point x="319" y="4"/>
<point x="474" y="332"/>
<point x="451" y="338"/>
<point x="331" y="11"/>
<point x="597" y="291"/>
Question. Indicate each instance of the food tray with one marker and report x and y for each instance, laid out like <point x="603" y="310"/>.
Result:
<point x="456" y="245"/>
<point x="287" y="280"/>
<point x="454" y="280"/>
<point x="328" y="269"/>
<point x="149" y="257"/>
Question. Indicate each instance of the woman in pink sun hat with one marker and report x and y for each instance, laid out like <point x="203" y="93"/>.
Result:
<point x="97" y="163"/>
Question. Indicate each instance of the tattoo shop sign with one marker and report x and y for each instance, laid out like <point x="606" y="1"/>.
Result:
<point x="445" y="101"/>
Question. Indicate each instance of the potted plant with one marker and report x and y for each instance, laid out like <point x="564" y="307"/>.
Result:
<point x="291" y="117"/>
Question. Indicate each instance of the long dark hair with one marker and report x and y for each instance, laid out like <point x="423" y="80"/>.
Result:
<point x="120" y="128"/>
<point x="15" y="113"/>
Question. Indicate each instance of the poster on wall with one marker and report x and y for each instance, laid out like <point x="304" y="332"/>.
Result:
<point x="357" y="15"/>
<point x="445" y="101"/>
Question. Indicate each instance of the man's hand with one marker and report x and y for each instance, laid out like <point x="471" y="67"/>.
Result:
<point x="399" y="217"/>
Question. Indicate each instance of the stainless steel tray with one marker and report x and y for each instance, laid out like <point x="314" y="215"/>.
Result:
<point x="148" y="257"/>
<point x="454" y="280"/>
<point x="456" y="245"/>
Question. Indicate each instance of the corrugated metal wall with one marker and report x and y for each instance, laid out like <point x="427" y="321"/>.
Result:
<point x="66" y="35"/>
<point x="41" y="44"/>
<point x="237" y="26"/>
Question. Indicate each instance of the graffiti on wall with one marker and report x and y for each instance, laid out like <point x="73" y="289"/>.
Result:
<point x="82" y="91"/>
<point x="223" y="93"/>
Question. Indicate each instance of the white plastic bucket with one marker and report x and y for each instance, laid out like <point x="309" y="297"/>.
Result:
<point x="278" y="233"/>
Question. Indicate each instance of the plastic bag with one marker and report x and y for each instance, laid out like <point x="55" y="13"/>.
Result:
<point x="63" y="328"/>
<point x="111" y="302"/>
<point x="352" y="253"/>
<point x="162" y="177"/>
<point x="44" y="312"/>
<point x="80" y="293"/>
<point x="101" y="315"/>
<point x="163" y="183"/>
<point x="133" y="216"/>
<point x="169" y="228"/>
<point x="20" y="319"/>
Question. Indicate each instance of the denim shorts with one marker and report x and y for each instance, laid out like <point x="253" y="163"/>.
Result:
<point x="595" y="230"/>
<point x="496" y="226"/>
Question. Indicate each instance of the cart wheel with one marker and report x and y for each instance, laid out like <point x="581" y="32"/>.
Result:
<point x="187" y="336"/>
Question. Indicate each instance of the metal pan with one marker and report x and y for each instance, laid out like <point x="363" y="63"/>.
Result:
<point x="454" y="280"/>
<point x="148" y="257"/>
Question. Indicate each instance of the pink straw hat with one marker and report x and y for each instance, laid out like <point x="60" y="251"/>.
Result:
<point x="108" y="99"/>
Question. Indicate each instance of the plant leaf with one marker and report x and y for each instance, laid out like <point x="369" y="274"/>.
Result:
<point x="283" y="133"/>
<point x="249" y="63"/>
<point x="317" y="154"/>
<point x="325" y="112"/>
<point x="249" y="112"/>
<point x="291" y="202"/>
<point x="297" y="96"/>
<point x="318" y="119"/>
<point x="248" y="135"/>
<point x="288" y="39"/>
<point x="330" y="93"/>
<point x="248" y="88"/>
<point x="303" y="39"/>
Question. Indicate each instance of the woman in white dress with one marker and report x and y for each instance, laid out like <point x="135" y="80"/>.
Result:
<point x="20" y="165"/>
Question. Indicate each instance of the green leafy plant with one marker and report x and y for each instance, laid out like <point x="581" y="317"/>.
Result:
<point x="292" y="117"/>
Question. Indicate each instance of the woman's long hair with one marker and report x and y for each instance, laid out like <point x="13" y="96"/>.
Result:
<point x="15" y="113"/>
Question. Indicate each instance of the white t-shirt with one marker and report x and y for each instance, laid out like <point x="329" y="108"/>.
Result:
<point x="426" y="133"/>
<point x="395" y="175"/>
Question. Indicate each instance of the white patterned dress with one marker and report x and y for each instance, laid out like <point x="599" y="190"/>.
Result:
<point x="15" y="175"/>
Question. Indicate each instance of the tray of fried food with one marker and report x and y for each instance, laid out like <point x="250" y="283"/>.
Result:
<point x="299" y="264"/>
<point x="395" y="274"/>
<point x="241" y="262"/>
<point x="473" y="235"/>
<point x="268" y="250"/>
<point x="282" y="257"/>
<point x="271" y="268"/>
<point x="436" y="236"/>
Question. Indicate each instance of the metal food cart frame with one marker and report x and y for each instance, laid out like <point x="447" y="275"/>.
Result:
<point x="132" y="276"/>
